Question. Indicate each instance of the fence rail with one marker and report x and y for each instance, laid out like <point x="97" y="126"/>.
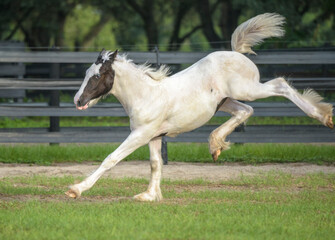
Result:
<point x="261" y="109"/>
<point x="319" y="83"/>
<point x="253" y="134"/>
<point x="110" y="134"/>
<point x="288" y="57"/>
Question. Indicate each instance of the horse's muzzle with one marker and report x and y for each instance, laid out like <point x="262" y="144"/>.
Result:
<point x="79" y="105"/>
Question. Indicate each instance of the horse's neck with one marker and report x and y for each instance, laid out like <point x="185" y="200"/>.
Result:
<point x="131" y="87"/>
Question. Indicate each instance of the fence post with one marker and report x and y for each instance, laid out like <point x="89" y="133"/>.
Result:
<point x="164" y="143"/>
<point x="54" y="98"/>
<point x="240" y="128"/>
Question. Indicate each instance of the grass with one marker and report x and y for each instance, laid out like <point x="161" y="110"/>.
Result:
<point x="185" y="152"/>
<point x="44" y="122"/>
<point x="272" y="206"/>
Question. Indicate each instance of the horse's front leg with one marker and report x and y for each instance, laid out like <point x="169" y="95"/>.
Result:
<point x="135" y="140"/>
<point x="153" y="192"/>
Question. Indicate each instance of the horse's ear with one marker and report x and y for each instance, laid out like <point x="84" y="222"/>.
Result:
<point x="103" y="50"/>
<point x="113" y="56"/>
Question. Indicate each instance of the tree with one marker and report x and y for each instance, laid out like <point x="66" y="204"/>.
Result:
<point x="142" y="24"/>
<point x="182" y="8"/>
<point x="41" y="22"/>
<point x="308" y="23"/>
<point x="220" y="14"/>
<point x="146" y="9"/>
<point x="205" y="12"/>
<point x="94" y="30"/>
<point x="153" y="14"/>
<point x="229" y="16"/>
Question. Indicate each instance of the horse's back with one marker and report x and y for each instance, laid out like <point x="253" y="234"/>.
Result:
<point x="230" y="62"/>
<point x="221" y="64"/>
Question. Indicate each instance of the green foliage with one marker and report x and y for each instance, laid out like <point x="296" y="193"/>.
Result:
<point x="172" y="25"/>
<point x="88" y="28"/>
<point x="308" y="23"/>
<point x="274" y="206"/>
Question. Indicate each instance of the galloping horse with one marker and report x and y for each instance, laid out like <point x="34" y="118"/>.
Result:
<point x="161" y="105"/>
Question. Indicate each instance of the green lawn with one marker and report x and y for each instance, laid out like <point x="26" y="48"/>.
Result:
<point x="272" y="206"/>
<point x="185" y="152"/>
<point x="35" y="122"/>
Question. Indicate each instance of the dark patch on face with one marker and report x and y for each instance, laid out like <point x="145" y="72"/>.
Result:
<point x="220" y="104"/>
<point x="99" y="84"/>
<point x="99" y="59"/>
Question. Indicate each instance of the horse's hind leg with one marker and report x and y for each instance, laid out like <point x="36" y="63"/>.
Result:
<point x="309" y="101"/>
<point x="153" y="192"/>
<point x="240" y="113"/>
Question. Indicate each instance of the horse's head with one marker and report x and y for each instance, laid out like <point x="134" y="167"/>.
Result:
<point x="98" y="81"/>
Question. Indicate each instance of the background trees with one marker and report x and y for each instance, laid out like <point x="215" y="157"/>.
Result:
<point x="172" y="25"/>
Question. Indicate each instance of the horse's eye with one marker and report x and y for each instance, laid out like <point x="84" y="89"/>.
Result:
<point x="97" y="75"/>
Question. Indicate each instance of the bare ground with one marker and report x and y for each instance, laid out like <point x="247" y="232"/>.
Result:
<point x="141" y="169"/>
<point x="173" y="171"/>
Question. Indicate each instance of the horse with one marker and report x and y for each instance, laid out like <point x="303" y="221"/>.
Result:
<point x="159" y="104"/>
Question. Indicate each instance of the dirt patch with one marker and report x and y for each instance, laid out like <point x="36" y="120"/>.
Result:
<point x="173" y="171"/>
<point x="61" y="198"/>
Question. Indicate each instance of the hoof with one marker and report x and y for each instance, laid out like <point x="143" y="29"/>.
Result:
<point x="216" y="147"/>
<point x="329" y="122"/>
<point x="147" y="197"/>
<point x="73" y="193"/>
<point x="216" y="155"/>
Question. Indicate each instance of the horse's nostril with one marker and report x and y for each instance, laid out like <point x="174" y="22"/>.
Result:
<point x="78" y="103"/>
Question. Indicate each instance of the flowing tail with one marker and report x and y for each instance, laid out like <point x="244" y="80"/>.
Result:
<point x="255" y="30"/>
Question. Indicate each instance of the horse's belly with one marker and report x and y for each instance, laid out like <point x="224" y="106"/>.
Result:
<point x="192" y="103"/>
<point x="188" y="120"/>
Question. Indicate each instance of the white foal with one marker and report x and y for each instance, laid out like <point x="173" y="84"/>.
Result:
<point x="159" y="105"/>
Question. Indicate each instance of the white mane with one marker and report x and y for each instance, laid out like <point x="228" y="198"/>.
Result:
<point x="155" y="74"/>
<point x="106" y="55"/>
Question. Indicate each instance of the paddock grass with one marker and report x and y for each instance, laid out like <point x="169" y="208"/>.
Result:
<point x="271" y="206"/>
<point x="44" y="122"/>
<point x="35" y="122"/>
<point x="44" y="154"/>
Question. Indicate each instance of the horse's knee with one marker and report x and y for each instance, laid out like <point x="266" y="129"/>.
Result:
<point x="280" y="86"/>
<point x="244" y="113"/>
<point x="154" y="165"/>
<point x="108" y="163"/>
<point x="248" y="110"/>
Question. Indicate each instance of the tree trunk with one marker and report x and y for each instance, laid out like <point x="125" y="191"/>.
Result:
<point x="95" y="30"/>
<point x="203" y="9"/>
<point x="59" y="36"/>
<point x="146" y="11"/>
<point x="174" y="43"/>
<point x="228" y="21"/>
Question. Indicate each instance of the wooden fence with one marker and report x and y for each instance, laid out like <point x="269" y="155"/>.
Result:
<point x="54" y="109"/>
